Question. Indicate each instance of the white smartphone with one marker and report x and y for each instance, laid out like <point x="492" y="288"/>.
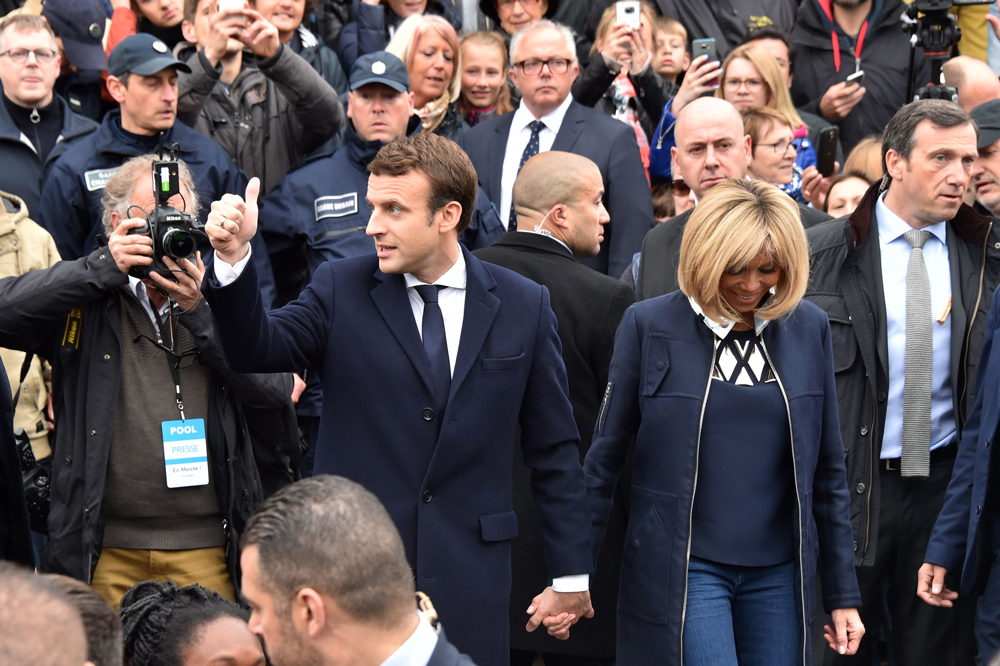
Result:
<point x="628" y="12"/>
<point x="230" y="5"/>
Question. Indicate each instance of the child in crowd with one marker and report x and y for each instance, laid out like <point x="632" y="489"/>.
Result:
<point x="671" y="57"/>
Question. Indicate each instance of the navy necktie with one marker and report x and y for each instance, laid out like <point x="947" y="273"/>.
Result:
<point x="435" y="343"/>
<point x="536" y="127"/>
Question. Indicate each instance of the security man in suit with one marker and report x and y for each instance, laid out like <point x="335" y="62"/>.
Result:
<point x="429" y="360"/>
<point x="561" y="218"/>
<point x="543" y="67"/>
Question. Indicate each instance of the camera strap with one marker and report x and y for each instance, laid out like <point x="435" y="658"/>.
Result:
<point x="172" y="358"/>
<point x="25" y="368"/>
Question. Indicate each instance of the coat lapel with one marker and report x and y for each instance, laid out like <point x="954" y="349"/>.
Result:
<point x="394" y="305"/>
<point x="497" y="151"/>
<point x="480" y="310"/>
<point x="570" y="129"/>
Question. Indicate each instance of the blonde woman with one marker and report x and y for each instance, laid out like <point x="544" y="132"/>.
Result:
<point x="428" y="46"/>
<point x="727" y="388"/>
<point x="485" y="92"/>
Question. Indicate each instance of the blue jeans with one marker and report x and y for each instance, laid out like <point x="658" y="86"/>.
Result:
<point x="741" y="616"/>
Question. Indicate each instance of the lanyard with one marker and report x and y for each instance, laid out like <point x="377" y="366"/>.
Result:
<point x="857" y="49"/>
<point x="172" y="358"/>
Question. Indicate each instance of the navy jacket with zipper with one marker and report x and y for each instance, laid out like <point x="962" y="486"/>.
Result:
<point x="885" y="55"/>
<point x="86" y="374"/>
<point x="22" y="171"/>
<point x="374" y="25"/>
<point x="657" y="388"/>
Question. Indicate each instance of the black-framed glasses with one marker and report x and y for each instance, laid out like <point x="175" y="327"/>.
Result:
<point x="533" y="67"/>
<point x="510" y="3"/>
<point x="20" y="56"/>
<point x="780" y="148"/>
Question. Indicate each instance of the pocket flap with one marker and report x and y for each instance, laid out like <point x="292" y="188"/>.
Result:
<point x="499" y="526"/>
<point x="657" y="363"/>
<point x="504" y="363"/>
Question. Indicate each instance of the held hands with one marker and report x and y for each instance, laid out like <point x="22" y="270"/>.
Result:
<point x="845" y="635"/>
<point x="839" y="100"/>
<point x="703" y="76"/>
<point x="558" y="611"/>
<point x="232" y="223"/>
<point x="931" y="587"/>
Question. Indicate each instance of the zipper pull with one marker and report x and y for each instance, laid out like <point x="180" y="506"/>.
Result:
<point x="857" y="65"/>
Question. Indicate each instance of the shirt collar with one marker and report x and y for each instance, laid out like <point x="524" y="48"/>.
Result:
<point x="134" y="284"/>
<point x="455" y="277"/>
<point x="523" y="117"/>
<point x="722" y="330"/>
<point x="892" y="226"/>
<point x="418" y="648"/>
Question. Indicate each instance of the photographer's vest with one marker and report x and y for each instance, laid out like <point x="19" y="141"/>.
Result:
<point x="141" y="511"/>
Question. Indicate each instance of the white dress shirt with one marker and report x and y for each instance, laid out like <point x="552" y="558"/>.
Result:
<point x="139" y="289"/>
<point x="517" y="141"/>
<point x="418" y="648"/>
<point x="895" y="252"/>
<point x="451" y="300"/>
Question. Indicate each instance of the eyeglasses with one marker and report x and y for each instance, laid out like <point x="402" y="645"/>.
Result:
<point x="680" y="189"/>
<point x="507" y="4"/>
<point x="533" y="67"/>
<point x="20" y="56"/>
<point x="780" y="148"/>
<point x="753" y="85"/>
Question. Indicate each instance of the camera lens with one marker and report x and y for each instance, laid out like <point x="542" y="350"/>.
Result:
<point x="178" y="244"/>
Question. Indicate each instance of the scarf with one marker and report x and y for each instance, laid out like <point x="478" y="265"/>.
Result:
<point x="432" y="113"/>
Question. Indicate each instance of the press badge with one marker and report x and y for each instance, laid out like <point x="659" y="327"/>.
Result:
<point x="185" y="452"/>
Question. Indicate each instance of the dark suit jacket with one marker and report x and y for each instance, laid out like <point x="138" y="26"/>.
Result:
<point x="611" y="145"/>
<point x="661" y="252"/>
<point x="445" y="478"/>
<point x="588" y="307"/>
<point x="446" y="654"/>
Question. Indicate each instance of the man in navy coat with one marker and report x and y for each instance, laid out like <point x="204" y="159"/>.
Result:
<point x="543" y="67"/>
<point x="429" y="360"/>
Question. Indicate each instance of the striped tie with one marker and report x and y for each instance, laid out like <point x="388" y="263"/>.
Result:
<point x="536" y="127"/>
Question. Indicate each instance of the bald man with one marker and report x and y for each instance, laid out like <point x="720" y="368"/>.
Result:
<point x="710" y="147"/>
<point x="40" y="627"/>
<point x="560" y="218"/>
<point x="975" y="81"/>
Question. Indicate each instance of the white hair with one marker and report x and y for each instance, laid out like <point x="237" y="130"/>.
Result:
<point x="567" y="34"/>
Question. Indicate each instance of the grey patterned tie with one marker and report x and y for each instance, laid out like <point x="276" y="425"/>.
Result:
<point x="918" y="368"/>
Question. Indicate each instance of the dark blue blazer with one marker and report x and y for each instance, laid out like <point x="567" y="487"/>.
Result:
<point x="611" y="145"/>
<point x="659" y="374"/>
<point x="960" y="540"/>
<point x="450" y="494"/>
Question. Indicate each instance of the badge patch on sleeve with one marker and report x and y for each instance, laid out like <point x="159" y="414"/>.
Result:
<point x="341" y="205"/>
<point x="98" y="178"/>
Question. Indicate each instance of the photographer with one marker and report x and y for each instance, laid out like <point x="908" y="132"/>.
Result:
<point x="832" y="39"/>
<point x="119" y="513"/>
<point x="244" y="80"/>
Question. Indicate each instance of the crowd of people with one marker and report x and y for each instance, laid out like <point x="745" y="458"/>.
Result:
<point x="498" y="332"/>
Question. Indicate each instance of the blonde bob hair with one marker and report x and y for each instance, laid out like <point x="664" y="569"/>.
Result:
<point x="778" y="97"/>
<point x="727" y="229"/>
<point x="404" y="42"/>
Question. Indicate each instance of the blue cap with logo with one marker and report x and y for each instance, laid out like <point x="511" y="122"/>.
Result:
<point x="80" y="24"/>
<point x="142" y="54"/>
<point x="380" y="67"/>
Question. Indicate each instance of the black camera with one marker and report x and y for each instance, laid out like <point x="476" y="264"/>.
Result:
<point x="36" y="484"/>
<point x="175" y="233"/>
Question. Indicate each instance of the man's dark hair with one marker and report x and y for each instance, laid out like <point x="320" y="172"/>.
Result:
<point x="898" y="134"/>
<point x="330" y="534"/>
<point x="773" y="32"/>
<point x="39" y="626"/>
<point x="446" y="166"/>
<point x="160" y="621"/>
<point x="100" y="622"/>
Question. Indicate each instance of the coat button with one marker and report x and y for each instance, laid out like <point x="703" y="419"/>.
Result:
<point x="881" y="396"/>
<point x="660" y="365"/>
<point x="988" y="442"/>
<point x="428" y="496"/>
<point x="428" y="413"/>
<point x="979" y="509"/>
<point x="68" y="460"/>
<point x="864" y="430"/>
<point x="107" y="357"/>
<point x="860" y="488"/>
<point x="93" y="432"/>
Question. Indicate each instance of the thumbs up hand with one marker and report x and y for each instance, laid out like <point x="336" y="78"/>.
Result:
<point x="232" y="223"/>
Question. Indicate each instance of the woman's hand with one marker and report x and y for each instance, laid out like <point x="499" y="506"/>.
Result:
<point x="815" y="187"/>
<point x="701" y="77"/>
<point x="618" y="44"/>
<point x="845" y="635"/>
